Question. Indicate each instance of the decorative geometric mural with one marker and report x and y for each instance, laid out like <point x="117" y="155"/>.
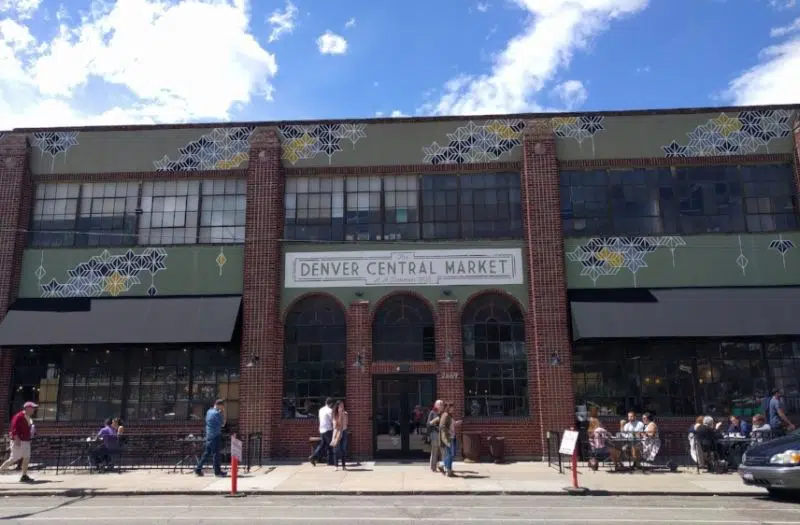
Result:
<point x="54" y="143"/>
<point x="740" y="134"/>
<point x="602" y="256"/>
<point x="308" y="142"/>
<point x="579" y="128"/>
<point x="741" y="260"/>
<point x="782" y="247"/>
<point x="106" y="274"/>
<point x="476" y="142"/>
<point x="220" y="149"/>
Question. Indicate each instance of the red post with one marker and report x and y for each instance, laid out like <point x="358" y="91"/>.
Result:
<point x="234" y="474"/>
<point x="575" y="468"/>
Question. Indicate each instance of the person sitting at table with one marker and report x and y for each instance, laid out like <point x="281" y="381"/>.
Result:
<point x="707" y="439"/>
<point x="598" y="442"/>
<point x="738" y="426"/>
<point x="651" y="442"/>
<point x="694" y="449"/>
<point x="761" y="429"/>
<point x="107" y="436"/>
<point x="631" y="430"/>
<point x="117" y="424"/>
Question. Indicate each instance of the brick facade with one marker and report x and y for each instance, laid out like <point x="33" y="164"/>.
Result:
<point x="547" y="321"/>
<point x="262" y="348"/>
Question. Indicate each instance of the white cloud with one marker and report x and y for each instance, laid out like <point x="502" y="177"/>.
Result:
<point x="571" y="93"/>
<point x="379" y="113"/>
<point x="350" y="23"/>
<point x="530" y="60"/>
<point x="781" y="5"/>
<point x="23" y="9"/>
<point x="643" y="69"/>
<point x="330" y="43"/>
<point x="397" y="114"/>
<point x="282" y="22"/>
<point x="150" y="55"/>
<point x="778" y="32"/>
<point x="483" y="6"/>
<point x="775" y="79"/>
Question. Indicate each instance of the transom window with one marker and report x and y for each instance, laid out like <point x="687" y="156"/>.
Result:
<point x="126" y="213"/>
<point x="403" y="330"/>
<point x="495" y="359"/>
<point x="315" y="350"/>
<point x="404" y="207"/>
<point x="679" y="200"/>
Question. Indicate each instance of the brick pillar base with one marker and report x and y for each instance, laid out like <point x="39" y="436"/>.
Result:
<point x="450" y="355"/>
<point x="797" y="164"/>
<point x="262" y="333"/>
<point x="359" y="379"/>
<point x="547" y="330"/>
<point x="15" y="210"/>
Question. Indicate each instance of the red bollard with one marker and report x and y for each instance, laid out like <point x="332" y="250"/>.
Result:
<point x="575" y="469"/>
<point x="234" y="474"/>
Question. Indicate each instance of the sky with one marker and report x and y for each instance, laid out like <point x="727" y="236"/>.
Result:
<point x="83" y="62"/>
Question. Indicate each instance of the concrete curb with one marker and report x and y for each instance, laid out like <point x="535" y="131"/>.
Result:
<point x="589" y="492"/>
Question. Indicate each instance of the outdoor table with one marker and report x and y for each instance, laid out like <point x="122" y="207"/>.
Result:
<point x="84" y="457"/>
<point x="620" y="441"/>
<point x="733" y="447"/>
<point x="190" y="447"/>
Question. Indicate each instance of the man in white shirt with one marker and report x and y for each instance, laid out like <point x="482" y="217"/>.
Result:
<point x="631" y="430"/>
<point x="325" y="434"/>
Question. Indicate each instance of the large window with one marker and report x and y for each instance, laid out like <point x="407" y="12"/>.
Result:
<point x="403" y="330"/>
<point x="137" y="384"/>
<point x="315" y="350"/>
<point x="679" y="200"/>
<point x="495" y="359"/>
<point x="404" y="207"/>
<point x="685" y="378"/>
<point x="127" y="213"/>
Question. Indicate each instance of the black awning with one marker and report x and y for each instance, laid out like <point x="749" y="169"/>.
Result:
<point x="691" y="312"/>
<point x="124" y="321"/>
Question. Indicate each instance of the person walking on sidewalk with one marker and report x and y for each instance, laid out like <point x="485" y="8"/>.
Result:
<point x="215" y="420"/>
<point x="20" y="433"/>
<point x="339" y="439"/>
<point x="325" y="433"/>
<point x="433" y="435"/>
<point x="447" y="433"/>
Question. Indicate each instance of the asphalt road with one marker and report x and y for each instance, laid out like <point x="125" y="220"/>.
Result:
<point x="397" y="510"/>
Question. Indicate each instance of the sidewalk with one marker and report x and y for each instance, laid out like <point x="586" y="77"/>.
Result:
<point x="382" y="478"/>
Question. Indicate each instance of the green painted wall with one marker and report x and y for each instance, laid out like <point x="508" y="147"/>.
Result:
<point x="701" y="260"/>
<point x="364" y="143"/>
<point x="138" y="271"/>
<point x="374" y="293"/>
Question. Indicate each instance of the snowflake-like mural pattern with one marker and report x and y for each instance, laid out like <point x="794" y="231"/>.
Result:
<point x="476" y="142"/>
<point x="54" y="143"/>
<point x="578" y="128"/>
<point x="107" y="274"/>
<point x="606" y="256"/>
<point x="782" y="247"/>
<point x="308" y="142"/>
<point x="221" y="149"/>
<point x="740" y="134"/>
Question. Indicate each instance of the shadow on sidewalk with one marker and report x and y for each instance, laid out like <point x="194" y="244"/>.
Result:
<point x="78" y="499"/>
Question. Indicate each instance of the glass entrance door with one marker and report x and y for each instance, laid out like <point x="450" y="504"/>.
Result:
<point x="401" y="405"/>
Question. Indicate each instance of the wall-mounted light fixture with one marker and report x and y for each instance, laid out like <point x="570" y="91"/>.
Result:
<point x="555" y="360"/>
<point x="253" y="360"/>
<point x="447" y="293"/>
<point x="359" y="293"/>
<point x="359" y="362"/>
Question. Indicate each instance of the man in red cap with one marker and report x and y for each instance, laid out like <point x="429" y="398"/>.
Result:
<point x="20" y="432"/>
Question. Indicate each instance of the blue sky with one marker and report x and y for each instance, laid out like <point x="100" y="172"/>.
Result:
<point x="78" y="62"/>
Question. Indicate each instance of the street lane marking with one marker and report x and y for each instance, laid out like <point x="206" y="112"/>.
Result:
<point x="187" y="507"/>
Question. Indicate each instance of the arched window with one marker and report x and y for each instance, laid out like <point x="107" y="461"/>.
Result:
<point x="315" y="350"/>
<point x="403" y="331"/>
<point x="495" y="359"/>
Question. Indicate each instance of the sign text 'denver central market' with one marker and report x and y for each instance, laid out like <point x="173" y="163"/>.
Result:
<point x="404" y="268"/>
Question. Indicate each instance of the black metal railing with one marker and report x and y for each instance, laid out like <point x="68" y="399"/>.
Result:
<point x="136" y="452"/>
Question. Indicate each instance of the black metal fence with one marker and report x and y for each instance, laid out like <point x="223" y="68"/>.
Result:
<point x="674" y="451"/>
<point x="176" y="452"/>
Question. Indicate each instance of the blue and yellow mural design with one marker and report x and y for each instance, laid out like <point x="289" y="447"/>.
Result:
<point x="221" y="149"/>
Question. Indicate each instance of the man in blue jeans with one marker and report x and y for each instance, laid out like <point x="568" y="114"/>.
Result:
<point x="215" y="420"/>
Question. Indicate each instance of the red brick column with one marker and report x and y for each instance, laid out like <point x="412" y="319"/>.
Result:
<point x="15" y="210"/>
<point x="546" y="321"/>
<point x="450" y="380"/>
<point x="359" y="380"/>
<point x="262" y="384"/>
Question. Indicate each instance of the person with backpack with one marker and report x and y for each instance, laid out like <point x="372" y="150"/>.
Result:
<point x="776" y="415"/>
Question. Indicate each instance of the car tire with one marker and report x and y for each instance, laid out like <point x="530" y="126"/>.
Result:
<point x="783" y="494"/>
